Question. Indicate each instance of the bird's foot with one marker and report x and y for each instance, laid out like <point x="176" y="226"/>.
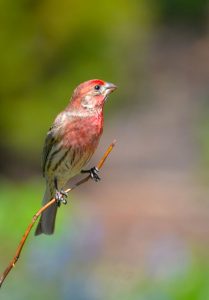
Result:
<point x="93" y="172"/>
<point x="60" y="197"/>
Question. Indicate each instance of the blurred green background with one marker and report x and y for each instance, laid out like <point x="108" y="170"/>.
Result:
<point x="143" y="231"/>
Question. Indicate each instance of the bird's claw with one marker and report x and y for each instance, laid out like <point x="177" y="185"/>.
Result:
<point x="60" y="197"/>
<point x="93" y="172"/>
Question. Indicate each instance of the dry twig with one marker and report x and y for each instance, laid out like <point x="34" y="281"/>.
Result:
<point x="35" y="217"/>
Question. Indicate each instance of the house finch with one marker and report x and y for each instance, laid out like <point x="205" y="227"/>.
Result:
<point x="70" y="143"/>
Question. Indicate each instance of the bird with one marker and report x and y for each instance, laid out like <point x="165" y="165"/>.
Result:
<point x="70" y="143"/>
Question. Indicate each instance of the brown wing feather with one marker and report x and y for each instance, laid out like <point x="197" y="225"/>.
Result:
<point x="49" y="141"/>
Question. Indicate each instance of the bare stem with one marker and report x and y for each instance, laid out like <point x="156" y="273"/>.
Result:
<point x="38" y="213"/>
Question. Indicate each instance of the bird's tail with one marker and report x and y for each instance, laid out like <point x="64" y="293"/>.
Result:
<point x="47" y="221"/>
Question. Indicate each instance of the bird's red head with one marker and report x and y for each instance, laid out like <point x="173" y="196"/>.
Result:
<point x="91" y="94"/>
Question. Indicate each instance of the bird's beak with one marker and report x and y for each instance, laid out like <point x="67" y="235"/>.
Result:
<point x="109" y="88"/>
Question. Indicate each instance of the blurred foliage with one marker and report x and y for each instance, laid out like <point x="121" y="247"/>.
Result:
<point x="192" y="285"/>
<point x="184" y="12"/>
<point x="48" y="48"/>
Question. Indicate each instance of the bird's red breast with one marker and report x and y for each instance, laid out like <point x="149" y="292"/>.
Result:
<point x="83" y="132"/>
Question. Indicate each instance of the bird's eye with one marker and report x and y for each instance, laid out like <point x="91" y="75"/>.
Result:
<point x="97" y="87"/>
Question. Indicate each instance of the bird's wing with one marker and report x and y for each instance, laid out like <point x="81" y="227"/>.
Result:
<point x="49" y="142"/>
<point x="52" y="137"/>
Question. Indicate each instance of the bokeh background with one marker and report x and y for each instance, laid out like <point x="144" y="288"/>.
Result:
<point x="143" y="231"/>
